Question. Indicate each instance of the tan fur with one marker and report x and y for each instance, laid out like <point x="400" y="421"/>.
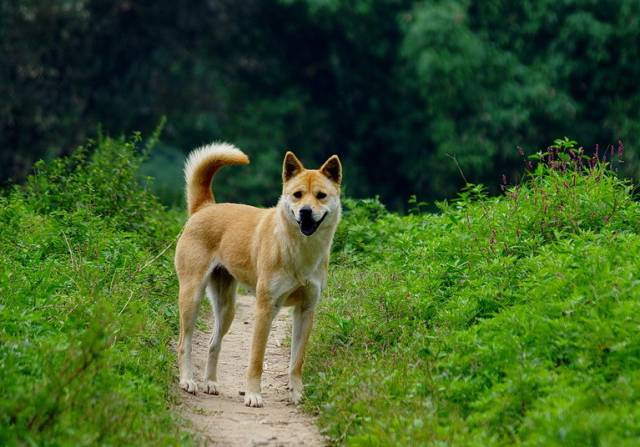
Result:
<point x="226" y="243"/>
<point x="200" y="168"/>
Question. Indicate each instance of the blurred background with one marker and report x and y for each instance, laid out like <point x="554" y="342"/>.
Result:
<point x="396" y="88"/>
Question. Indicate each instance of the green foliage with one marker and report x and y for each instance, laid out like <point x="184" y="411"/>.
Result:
<point x="498" y="73"/>
<point x="498" y="321"/>
<point x="394" y="87"/>
<point x="87" y="304"/>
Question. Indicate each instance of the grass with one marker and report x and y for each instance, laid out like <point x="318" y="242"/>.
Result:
<point x="498" y="321"/>
<point x="87" y="304"/>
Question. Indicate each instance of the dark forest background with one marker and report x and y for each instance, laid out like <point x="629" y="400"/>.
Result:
<point x="396" y="88"/>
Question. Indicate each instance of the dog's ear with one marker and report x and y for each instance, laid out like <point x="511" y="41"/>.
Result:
<point x="332" y="169"/>
<point x="291" y="166"/>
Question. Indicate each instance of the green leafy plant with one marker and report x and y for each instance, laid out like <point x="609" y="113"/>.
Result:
<point x="498" y="321"/>
<point x="87" y="304"/>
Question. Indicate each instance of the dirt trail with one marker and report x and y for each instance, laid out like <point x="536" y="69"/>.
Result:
<point x="223" y="420"/>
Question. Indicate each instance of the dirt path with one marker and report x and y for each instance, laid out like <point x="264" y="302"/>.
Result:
<point x="223" y="420"/>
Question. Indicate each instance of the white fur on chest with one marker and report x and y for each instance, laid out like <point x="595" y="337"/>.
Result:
<point x="303" y="268"/>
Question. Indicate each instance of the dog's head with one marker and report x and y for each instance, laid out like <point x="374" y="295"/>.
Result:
<point x="311" y="197"/>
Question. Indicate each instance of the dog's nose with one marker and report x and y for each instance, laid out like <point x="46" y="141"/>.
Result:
<point x="305" y="212"/>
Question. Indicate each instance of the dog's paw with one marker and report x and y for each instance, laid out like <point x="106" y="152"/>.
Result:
<point x="189" y="385"/>
<point x="253" y="399"/>
<point x="211" y="387"/>
<point x="295" y="390"/>
<point x="296" y="396"/>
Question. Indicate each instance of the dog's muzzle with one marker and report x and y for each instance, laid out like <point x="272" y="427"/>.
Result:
<point x="308" y="225"/>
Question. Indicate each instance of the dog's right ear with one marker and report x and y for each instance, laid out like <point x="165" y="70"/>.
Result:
<point x="291" y="166"/>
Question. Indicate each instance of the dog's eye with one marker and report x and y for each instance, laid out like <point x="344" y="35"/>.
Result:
<point x="321" y="195"/>
<point x="297" y="194"/>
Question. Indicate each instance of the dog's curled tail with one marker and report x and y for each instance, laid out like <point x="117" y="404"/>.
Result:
<point x="200" y="167"/>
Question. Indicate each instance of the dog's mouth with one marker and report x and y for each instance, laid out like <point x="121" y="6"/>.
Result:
<point x="308" y="225"/>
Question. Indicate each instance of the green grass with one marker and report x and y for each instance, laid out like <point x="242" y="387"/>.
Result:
<point x="87" y="305"/>
<point x="498" y="321"/>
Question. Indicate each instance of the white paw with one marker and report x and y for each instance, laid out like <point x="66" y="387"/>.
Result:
<point x="211" y="387"/>
<point x="296" y="396"/>
<point x="296" y="389"/>
<point x="253" y="399"/>
<point x="189" y="385"/>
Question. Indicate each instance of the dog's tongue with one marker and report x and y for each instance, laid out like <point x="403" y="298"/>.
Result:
<point x="307" y="226"/>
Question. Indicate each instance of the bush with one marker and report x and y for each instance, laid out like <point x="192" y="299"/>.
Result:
<point x="87" y="304"/>
<point x="498" y="321"/>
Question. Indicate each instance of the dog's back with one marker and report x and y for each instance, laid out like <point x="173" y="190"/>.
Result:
<point x="224" y="234"/>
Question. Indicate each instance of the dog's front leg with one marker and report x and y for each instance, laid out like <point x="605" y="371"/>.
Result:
<point x="302" y="323"/>
<point x="266" y="310"/>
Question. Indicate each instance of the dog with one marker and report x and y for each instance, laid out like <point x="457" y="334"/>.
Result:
<point x="282" y="253"/>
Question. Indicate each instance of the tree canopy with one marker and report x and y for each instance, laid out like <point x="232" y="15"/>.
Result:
<point x="396" y="88"/>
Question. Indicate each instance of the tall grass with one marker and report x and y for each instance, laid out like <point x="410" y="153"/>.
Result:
<point x="87" y="304"/>
<point x="499" y="321"/>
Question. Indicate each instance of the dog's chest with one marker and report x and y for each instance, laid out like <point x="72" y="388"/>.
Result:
<point x="306" y="258"/>
<point x="303" y="268"/>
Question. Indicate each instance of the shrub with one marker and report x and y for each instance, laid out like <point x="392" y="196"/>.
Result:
<point x="498" y="321"/>
<point x="87" y="304"/>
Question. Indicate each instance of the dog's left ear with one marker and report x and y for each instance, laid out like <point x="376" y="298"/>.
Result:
<point x="332" y="169"/>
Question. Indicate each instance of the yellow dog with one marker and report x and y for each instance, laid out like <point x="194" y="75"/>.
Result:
<point x="282" y="253"/>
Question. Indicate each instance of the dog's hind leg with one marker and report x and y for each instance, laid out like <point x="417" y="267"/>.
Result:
<point x="221" y="291"/>
<point x="191" y="291"/>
